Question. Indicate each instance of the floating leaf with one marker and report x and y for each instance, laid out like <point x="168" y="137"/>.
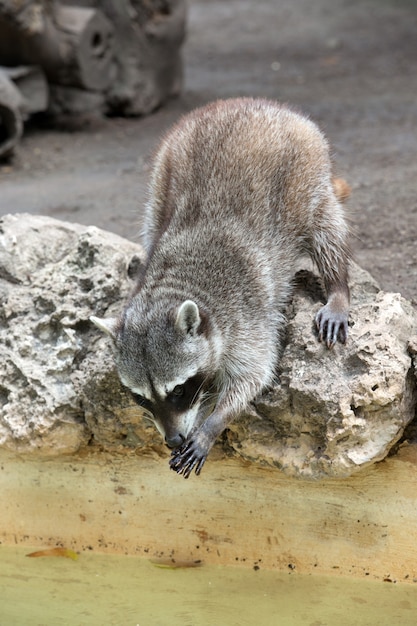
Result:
<point x="63" y="552"/>
<point x="169" y="564"/>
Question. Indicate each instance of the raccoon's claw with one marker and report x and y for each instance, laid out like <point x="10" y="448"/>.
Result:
<point x="331" y="326"/>
<point x="186" y="458"/>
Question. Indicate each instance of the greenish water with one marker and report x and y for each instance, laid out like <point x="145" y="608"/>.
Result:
<point x="127" y="591"/>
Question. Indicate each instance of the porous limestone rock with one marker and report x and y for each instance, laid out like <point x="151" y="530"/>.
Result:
<point x="53" y="275"/>
<point x="330" y="413"/>
<point x="335" y="411"/>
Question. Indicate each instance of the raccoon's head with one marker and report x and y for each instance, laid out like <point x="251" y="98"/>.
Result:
<point x="168" y="360"/>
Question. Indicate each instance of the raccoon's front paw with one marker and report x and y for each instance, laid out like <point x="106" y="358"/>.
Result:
<point x="191" y="455"/>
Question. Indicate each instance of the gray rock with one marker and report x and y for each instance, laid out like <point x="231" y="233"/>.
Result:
<point x="52" y="276"/>
<point x="330" y="413"/>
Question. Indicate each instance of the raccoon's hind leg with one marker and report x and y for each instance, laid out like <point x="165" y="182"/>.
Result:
<point x="330" y="252"/>
<point x="332" y="319"/>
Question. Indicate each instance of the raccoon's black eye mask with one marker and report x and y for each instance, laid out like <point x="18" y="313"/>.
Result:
<point x="181" y="398"/>
<point x="142" y="402"/>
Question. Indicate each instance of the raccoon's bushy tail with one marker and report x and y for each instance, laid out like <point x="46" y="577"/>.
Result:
<point x="341" y="189"/>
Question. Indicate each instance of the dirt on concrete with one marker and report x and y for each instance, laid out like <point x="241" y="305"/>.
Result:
<point x="351" y="65"/>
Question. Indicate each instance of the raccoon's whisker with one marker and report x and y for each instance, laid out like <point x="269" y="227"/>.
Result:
<point x="207" y="399"/>
<point x="198" y="391"/>
<point x="148" y="416"/>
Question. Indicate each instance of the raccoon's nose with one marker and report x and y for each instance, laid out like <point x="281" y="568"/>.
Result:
<point x="174" y="442"/>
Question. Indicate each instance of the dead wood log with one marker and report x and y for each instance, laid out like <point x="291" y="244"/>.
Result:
<point x="33" y="88"/>
<point x="74" y="45"/>
<point x="110" y="56"/>
<point x="148" y="39"/>
<point x="11" y="123"/>
<point x="23" y="91"/>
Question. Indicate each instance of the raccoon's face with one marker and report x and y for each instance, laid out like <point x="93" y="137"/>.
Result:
<point x="177" y="410"/>
<point x="168" y="362"/>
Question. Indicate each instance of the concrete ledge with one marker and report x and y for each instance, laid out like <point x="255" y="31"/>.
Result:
<point x="234" y="514"/>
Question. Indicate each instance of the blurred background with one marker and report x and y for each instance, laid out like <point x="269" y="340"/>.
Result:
<point x="90" y="125"/>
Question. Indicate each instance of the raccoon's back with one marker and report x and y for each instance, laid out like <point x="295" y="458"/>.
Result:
<point x="246" y="158"/>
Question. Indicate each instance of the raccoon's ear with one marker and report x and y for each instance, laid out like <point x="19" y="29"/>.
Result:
<point x="188" y="318"/>
<point x="108" y="326"/>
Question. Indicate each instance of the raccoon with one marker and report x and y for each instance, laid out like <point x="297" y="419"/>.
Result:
<point x="240" y="190"/>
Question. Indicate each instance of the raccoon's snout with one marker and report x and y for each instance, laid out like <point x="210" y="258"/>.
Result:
<point x="175" y="442"/>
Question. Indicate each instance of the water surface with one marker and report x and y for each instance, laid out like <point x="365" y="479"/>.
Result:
<point x="108" y="590"/>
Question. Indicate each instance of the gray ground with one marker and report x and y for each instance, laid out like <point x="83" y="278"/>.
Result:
<point x="350" y="64"/>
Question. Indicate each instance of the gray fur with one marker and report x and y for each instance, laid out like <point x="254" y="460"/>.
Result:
<point x="240" y="190"/>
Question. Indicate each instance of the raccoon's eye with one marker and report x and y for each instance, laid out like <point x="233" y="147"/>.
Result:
<point x="178" y="391"/>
